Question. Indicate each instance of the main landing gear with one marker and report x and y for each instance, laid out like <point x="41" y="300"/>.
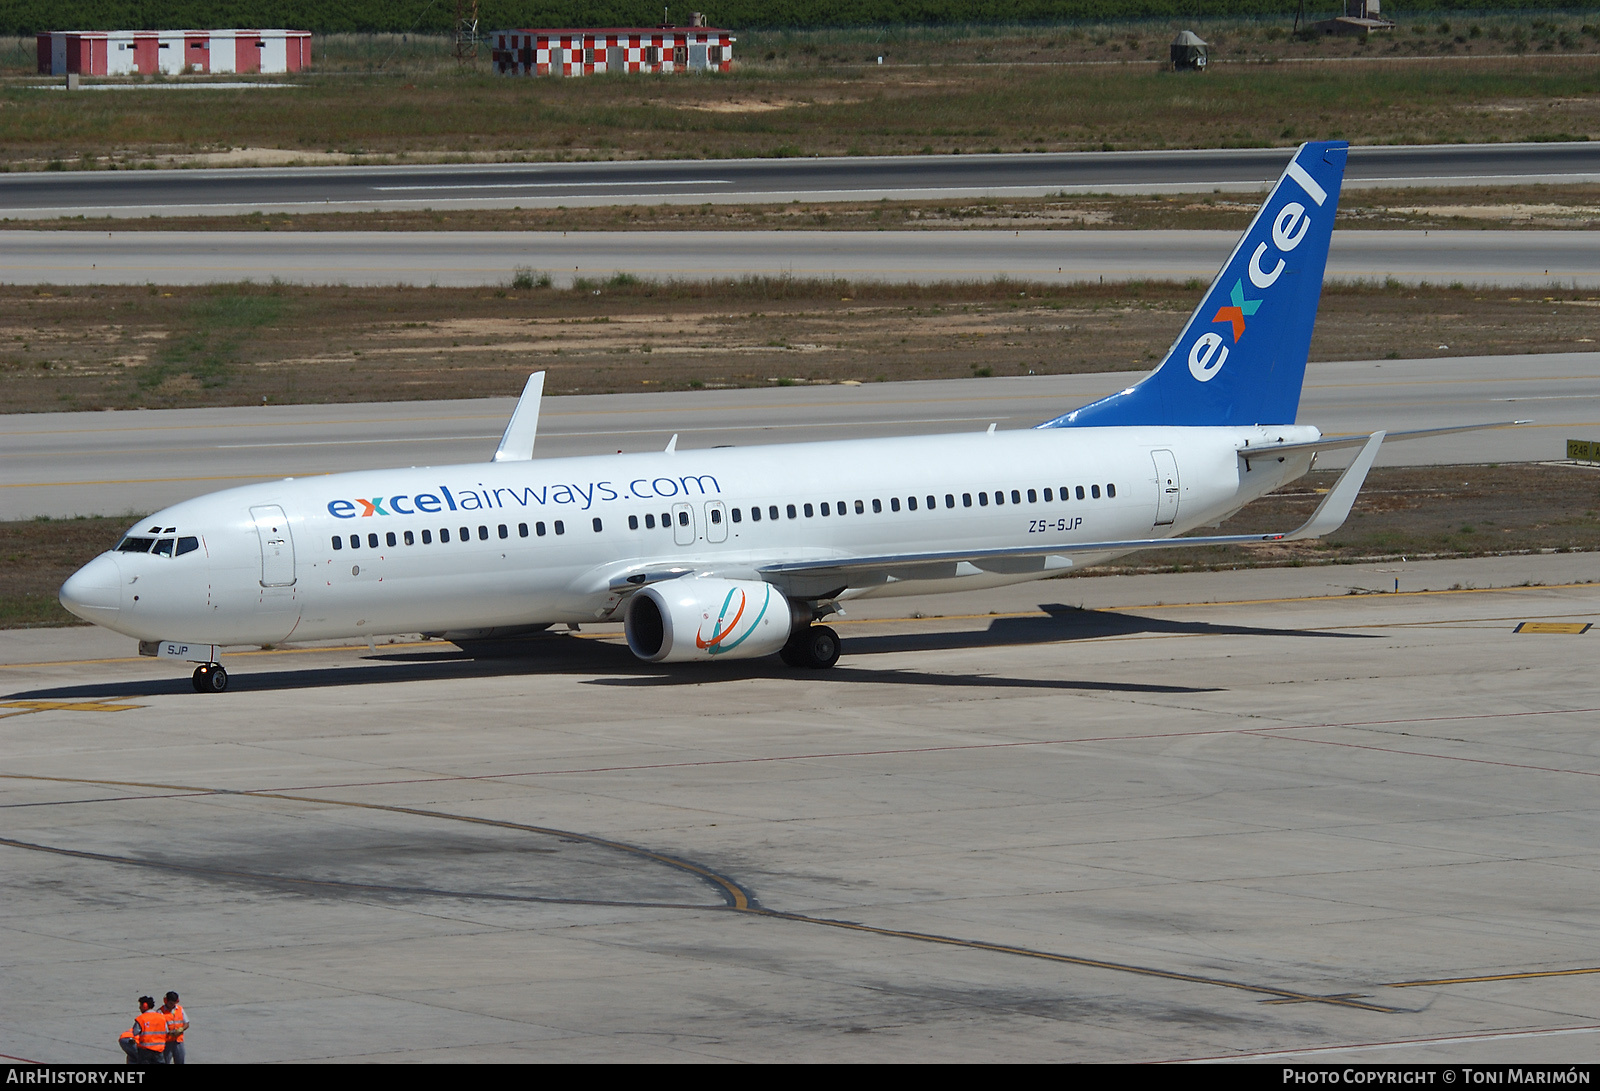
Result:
<point x="813" y="646"/>
<point x="210" y="678"/>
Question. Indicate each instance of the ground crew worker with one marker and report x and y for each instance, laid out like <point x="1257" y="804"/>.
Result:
<point x="126" y="1042"/>
<point x="177" y="1023"/>
<point x="149" y="1032"/>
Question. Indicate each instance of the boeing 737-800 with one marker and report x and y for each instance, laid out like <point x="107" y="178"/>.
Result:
<point x="738" y="553"/>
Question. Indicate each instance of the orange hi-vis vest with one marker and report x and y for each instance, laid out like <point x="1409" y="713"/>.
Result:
<point x="150" y="1030"/>
<point x="175" y="1021"/>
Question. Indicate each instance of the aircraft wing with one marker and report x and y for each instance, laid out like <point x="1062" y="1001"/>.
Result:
<point x="1035" y="557"/>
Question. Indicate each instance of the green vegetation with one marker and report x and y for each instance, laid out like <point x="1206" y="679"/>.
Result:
<point x="27" y="16"/>
<point x="776" y="110"/>
<point x="208" y="340"/>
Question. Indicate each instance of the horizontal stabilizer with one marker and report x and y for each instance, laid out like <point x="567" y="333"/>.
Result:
<point x="517" y="443"/>
<point x="1335" y="443"/>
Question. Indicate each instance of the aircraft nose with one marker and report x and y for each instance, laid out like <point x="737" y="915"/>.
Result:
<point x="94" y="592"/>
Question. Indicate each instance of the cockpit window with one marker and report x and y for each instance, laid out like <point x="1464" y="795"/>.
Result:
<point x="187" y="545"/>
<point x="131" y="544"/>
<point x="163" y="548"/>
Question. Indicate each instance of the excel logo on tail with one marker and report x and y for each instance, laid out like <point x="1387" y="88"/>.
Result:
<point x="1241" y="308"/>
<point x="1208" y="353"/>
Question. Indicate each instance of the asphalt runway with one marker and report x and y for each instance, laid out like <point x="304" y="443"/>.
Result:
<point x="62" y="464"/>
<point x="1534" y="259"/>
<point x="845" y="178"/>
<point x="1252" y="815"/>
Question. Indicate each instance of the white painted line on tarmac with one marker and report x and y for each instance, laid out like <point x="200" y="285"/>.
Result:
<point x="1410" y="1043"/>
<point x="559" y="185"/>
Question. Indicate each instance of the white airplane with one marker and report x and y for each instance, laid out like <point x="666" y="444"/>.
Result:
<point x="737" y="553"/>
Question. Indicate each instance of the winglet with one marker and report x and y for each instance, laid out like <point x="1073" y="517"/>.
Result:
<point x="1335" y="507"/>
<point x="523" y="427"/>
<point x="672" y="444"/>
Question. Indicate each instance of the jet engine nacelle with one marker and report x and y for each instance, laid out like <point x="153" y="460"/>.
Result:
<point x="692" y="619"/>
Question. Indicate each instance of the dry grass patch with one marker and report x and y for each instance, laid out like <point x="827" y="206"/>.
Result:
<point x="127" y="347"/>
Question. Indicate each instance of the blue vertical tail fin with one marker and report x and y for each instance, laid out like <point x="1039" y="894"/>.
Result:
<point x="1241" y="358"/>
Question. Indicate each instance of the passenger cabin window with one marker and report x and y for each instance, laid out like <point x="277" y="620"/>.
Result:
<point x="716" y="518"/>
<point x="649" y="523"/>
<point x="894" y="503"/>
<point x="427" y="537"/>
<point x="538" y="528"/>
<point x="1094" y="491"/>
<point x="808" y="511"/>
<point x="466" y="534"/>
<point x="772" y="512"/>
<point x="949" y="499"/>
<point x="391" y="539"/>
<point x="966" y="500"/>
<point x="410" y="538"/>
<point x="597" y="524"/>
<point x="633" y="523"/>
<point x="338" y="543"/>
<point x="983" y="500"/>
<point x="1111" y="491"/>
<point x="911" y="503"/>
<point x="737" y="513"/>
<point x="791" y="511"/>
<point x="1047" y="496"/>
<point x="824" y="509"/>
<point x="755" y="514"/>
<point x="522" y="529"/>
<point x="561" y="528"/>
<point x="999" y="497"/>
<point x="355" y="541"/>
<point x="683" y="520"/>
<point x="877" y="506"/>
<point x="372" y="541"/>
<point x="1080" y="492"/>
<point x="444" y="534"/>
<point x="483" y="533"/>
<point x="503" y="530"/>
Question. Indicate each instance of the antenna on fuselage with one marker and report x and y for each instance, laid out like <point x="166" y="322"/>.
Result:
<point x="672" y="444"/>
<point x="523" y="427"/>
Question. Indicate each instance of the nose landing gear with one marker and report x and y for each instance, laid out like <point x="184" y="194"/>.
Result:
<point x="210" y="678"/>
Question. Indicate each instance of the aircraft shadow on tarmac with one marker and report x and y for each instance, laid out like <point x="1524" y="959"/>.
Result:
<point x="610" y="664"/>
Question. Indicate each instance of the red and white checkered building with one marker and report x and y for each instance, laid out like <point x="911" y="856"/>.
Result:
<point x="587" y="52"/>
<point x="170" y="52"/>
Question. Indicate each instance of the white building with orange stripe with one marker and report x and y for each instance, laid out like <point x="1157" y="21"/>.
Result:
<point x="595" y="50"/>
<point x="172" y="52"/>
